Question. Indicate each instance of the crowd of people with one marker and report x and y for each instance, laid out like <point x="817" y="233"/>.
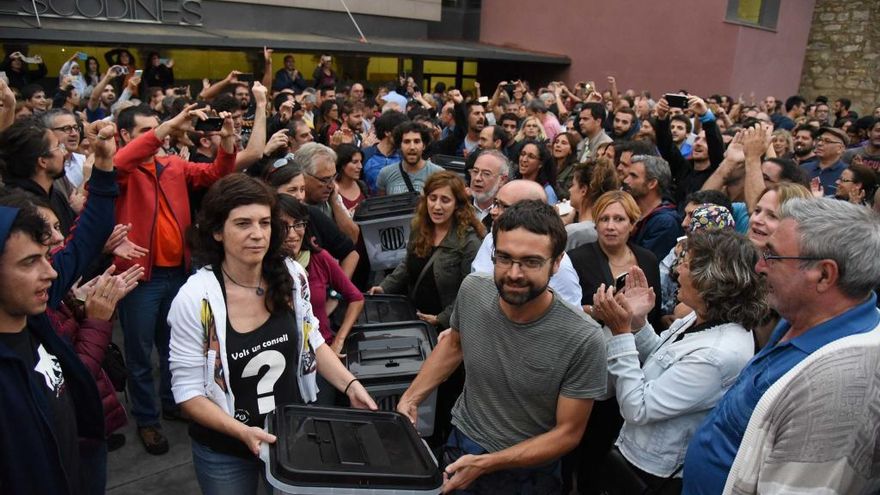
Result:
<point x="634" y="293"/>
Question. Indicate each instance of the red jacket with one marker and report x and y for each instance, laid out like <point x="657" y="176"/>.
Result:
<point x="89" y="337"/>
<point x="138" y="201"/>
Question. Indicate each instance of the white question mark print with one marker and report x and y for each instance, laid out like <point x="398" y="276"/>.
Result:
<point x="276" y="363"/>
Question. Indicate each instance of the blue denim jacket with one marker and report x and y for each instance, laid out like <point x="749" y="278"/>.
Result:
<point x="664" y="401"/>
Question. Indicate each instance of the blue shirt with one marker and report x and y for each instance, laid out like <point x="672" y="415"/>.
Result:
<point x="828" y="177"/>
<point x="714" y="445"/>
<point x="374" y="162"/>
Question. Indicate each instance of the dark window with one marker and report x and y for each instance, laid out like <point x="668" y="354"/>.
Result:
<point x="758" y="13"/>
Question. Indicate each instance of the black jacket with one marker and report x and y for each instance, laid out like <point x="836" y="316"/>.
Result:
<point x="29" y="456"/>
<point x="591" y="265"/>
<point x="56" y="198"/>
<point x="685" y="179"/>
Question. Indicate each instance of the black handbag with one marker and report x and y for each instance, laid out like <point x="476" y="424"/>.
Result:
<point x="114" y="366"/>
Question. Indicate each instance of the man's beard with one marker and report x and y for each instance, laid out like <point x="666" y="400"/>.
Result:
<point x="519" y="299"/>
<point x="487" y="195"/>
<point x="802" y="151"/>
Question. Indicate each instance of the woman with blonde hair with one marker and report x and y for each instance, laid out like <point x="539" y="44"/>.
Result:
<point x="445" y="238"/>
<point x="531" y="128"/>
<point x="590" y="180"/>
<point x="765" y="218"/>
<point x="783" y="143"/>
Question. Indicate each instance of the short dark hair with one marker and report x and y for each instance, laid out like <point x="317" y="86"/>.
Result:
<point x="709" y="196"/>
<point x="805" y="127"/>
<point x="537" y="217"/>
<point x="636" y="147"/>
<point x="28" y="219"/>
<point x="498" y="134"/>
<point x="386" y="122"/>
<point x="30" y="90"/>
<point x="225" y="103"/>
<point x="681" y="118"/>
<point x="125" y="119"/>
<point x="794" y="101"/>
<point x="597" y="110"/>
<point x="21" y="145"/>
<point x="410" y="126"/>
<point x="845" y="103"/>
<point x="509" y="116"/>
<point x="791" y="171"/>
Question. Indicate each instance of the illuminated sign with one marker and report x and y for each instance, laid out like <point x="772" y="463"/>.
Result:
<point x="183" y="12"/>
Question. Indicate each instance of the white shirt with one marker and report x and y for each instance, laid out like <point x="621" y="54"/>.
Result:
<point x="73" y="169"/>
<point x="564" y="282"/>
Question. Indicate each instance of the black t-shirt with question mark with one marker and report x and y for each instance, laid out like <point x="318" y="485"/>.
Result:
<point x="262" y="374"/>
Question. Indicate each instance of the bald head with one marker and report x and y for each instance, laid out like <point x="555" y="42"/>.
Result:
<point x="515" y="191"/>
<point x="521" y="190"/>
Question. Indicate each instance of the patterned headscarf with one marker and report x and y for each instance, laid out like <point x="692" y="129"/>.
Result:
<point x="712" y="217"/>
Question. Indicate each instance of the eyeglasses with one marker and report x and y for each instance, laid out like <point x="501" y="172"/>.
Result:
<point x="298" y="226"/>
<point x="59" y="147"/>
<point x="499" y="205"/>
<point x="325" y="181"/>
<point x="845" y="180"/>
<point x="67" y="129"/>
<point x="529" y="156"/>
<point x="829" y="141"/>
<point x="531" y="263"/>
<point x="765" y="254"/>
<point x="485" y="174"/>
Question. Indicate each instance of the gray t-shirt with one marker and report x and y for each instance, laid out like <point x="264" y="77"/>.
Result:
<point x="516" y="372"/>
<point x="392" y="182"/>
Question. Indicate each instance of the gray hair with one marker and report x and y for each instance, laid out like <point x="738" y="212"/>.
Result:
<point x="843" y="232"/>
<point x="306" y="156"/>
<point x="536" y="105"/>
<point x="48" y="118"/>
<point x="309" y="98"/>
<point x="656" y="168"/>
<point x="722" y="268"/>
<point x="504" y="162"/>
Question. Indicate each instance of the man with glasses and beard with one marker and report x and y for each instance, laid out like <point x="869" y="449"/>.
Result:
<point x="533" y="364"/>
<point x="490" y="172"/>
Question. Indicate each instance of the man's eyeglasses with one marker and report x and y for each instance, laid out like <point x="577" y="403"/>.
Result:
<point x="530" y="263"/>
<point x="498" y="204"/>
<point x="297" y="226"/>
<point x="485" y="174"/>
<point x="67" y="129"/>
<point x="829" y="141"/>
<point x="765" y="254"/>
<point x="325" y="181"/>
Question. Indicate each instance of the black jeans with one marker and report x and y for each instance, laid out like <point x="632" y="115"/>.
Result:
<point x="541" y="480"/>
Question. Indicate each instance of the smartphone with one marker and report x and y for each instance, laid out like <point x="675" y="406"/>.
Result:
<point x="483" y="99"/>
<point x="590" y="87"/>
<point x="815" y="183"/>
<point x="164" y="61"/>
<point x="620" y="282"/>
<point x="246" y="77"/>
<point x="138" y="73"/>
<point x="82" y="55"/>
<point x="676" y="100"/>
<point x="211" y="124"/>
<point x="508" y="88"/>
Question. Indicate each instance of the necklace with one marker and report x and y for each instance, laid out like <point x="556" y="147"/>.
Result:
<point x="626" y="260"/>
<point x="258" y="289"/>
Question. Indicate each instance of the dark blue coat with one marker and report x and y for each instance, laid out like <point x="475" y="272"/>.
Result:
<point x="29" y="457"/>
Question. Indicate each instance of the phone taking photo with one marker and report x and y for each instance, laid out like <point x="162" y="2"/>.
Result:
<point x="211" y="124"/>
<point x="676" y="100"/>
